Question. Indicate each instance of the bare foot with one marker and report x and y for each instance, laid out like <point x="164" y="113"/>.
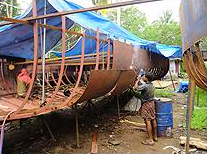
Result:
<point x="155" y="139"/>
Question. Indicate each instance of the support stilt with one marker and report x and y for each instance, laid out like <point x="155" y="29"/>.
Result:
<point x="172" y="80"/>
<point x="94" y="147"/>
<point x="189" y="112"/>
<point x="51" y="134"/>
<point x="90" y="105"/>
<point x="77" y="128"/>
<point x="118" y="109"/>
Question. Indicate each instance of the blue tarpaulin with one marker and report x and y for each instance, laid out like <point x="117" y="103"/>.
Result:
<point x="17" y="40"/>
<point x="89" y="46"/>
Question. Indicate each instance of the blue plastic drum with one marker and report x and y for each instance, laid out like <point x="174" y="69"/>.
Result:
<point x="164" y="116"/>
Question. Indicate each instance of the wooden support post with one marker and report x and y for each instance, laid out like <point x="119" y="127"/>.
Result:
<point x="97" y="50"/>
<point x="51" y="134"/>
<point x="94" y="147"/>
<point x="103" y="59"/>
<point x="77" y="128"/>
<point x="172" y="80"/>
<point x="189" y="112"/>
<point x="108" y="55"/>
<point x="118" y="109"/>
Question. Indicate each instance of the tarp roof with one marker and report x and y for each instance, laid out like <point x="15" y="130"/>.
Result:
<point x="17" y="39"/>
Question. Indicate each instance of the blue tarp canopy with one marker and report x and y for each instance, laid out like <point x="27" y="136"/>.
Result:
<point x="17" y="40"/>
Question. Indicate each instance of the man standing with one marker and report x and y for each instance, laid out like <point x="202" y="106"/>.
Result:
<point x="147" y="109"/>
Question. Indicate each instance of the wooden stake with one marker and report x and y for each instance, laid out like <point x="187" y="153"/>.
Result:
<point x="77" y="130"/>
<point x="118" y="109"/>
<point x="94" y="147"/>
<point x="172" y="80"/>
<point x="189" y="112"/>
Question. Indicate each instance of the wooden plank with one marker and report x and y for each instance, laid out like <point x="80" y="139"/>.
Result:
<point x="197" y="142"/>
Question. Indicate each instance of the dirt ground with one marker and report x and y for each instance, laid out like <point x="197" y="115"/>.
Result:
<point x="32" y="136"/>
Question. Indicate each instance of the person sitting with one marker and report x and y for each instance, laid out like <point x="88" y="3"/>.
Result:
<point x="23" y="80"/>
<point x="147" y="109"/>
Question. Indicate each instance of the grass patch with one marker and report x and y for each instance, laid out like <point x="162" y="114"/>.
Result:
<point x="199" y="119"/>
<point x="200" y="97"/>
<point x="163" y="93"/>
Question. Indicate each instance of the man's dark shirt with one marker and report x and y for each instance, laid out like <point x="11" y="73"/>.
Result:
<point x="147" y="91"/>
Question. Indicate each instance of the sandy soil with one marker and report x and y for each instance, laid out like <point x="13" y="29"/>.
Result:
<point x="33" y="136"/>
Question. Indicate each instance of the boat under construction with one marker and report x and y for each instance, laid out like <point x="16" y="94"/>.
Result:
<point x="70" y="55"/>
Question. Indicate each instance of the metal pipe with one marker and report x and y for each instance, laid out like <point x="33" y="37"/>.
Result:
<point x="43" y="57"/>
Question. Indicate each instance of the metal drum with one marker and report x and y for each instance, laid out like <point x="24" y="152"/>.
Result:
<point x="164" y="117"/>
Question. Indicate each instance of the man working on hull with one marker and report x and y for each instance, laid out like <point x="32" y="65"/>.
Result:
<point x="147" y="110"/>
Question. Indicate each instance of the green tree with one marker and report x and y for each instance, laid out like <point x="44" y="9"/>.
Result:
<point x="164" y="30"/>
<point x="203" y="43"/>
<point x="166" y="18"/>
<point x="131" y="19"/>
<point x="99" y="2"/>
<point x="9" y="8"/>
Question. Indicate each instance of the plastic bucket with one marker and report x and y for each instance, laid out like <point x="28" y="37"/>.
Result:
<point x="164" y="117"/>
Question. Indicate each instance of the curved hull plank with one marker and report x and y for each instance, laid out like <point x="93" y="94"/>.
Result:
<point x="126" y="80"/>
<point x="100" y="83"/>
<point x="128" y="57"/>
<point x="154" y="64"/>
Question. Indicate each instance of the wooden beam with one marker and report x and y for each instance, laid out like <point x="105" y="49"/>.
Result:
<point x="86" y="9"/>
<point x="12" y="20"/>
<point x="25" y="22"/>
